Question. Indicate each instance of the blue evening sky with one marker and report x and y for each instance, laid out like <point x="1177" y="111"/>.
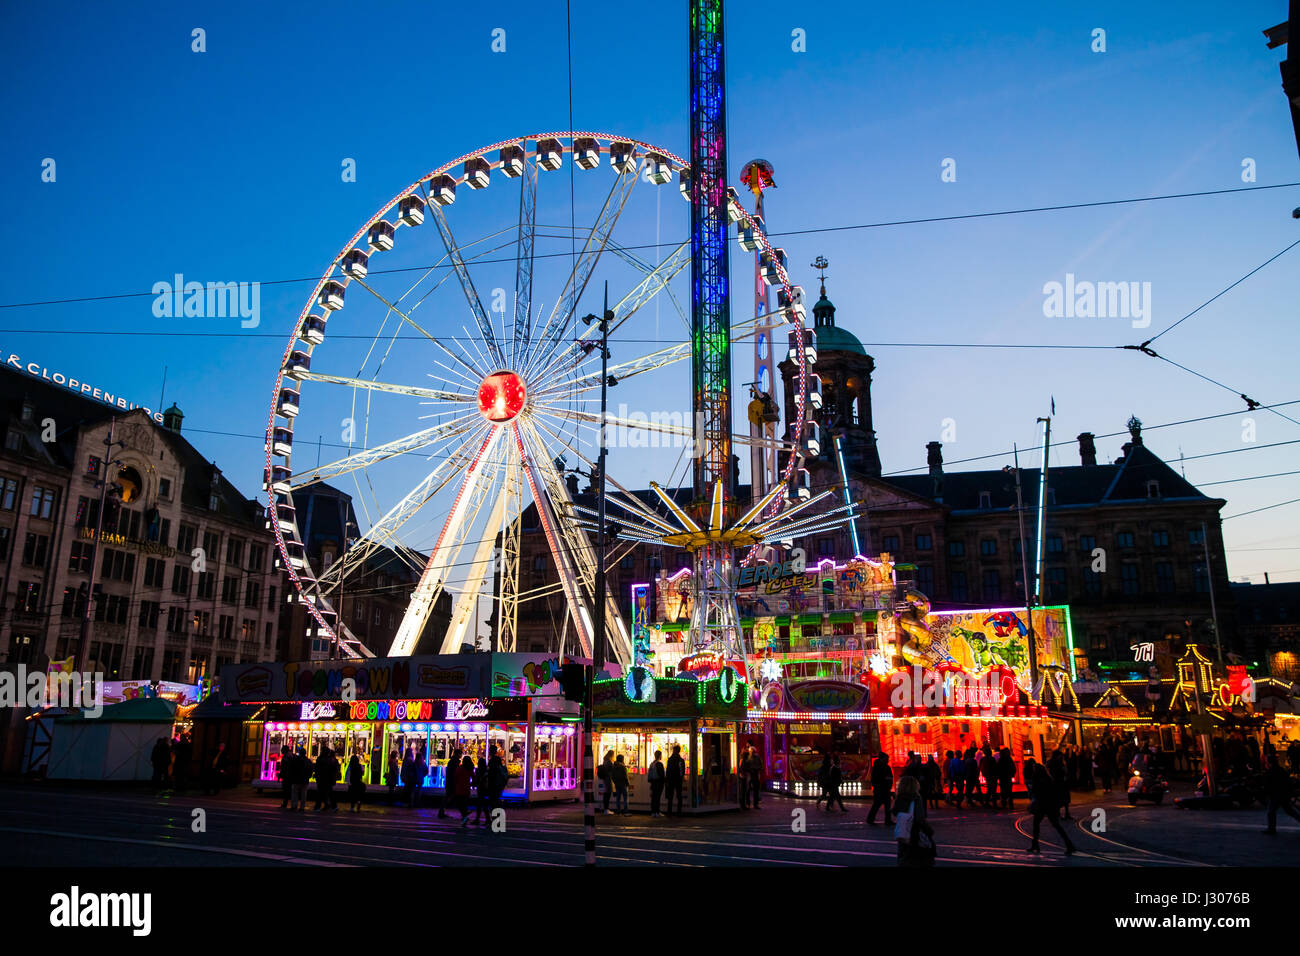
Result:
<point x="225" y="166"/>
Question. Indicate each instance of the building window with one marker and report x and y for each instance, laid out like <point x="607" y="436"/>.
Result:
<point x="13" y="440"/>
<point x="230" y="589"/>
<point x="890" y="543"/>
<point x="923" y="542"/>
<point x="8" y="494"/>
<point x="1056" y="584"/>
<point x="1165" y="577"/>
<point x="4" y="544"/>
<point x="252" y="593"/>
<point x="226" y="627"/>
<point x="235" y="552"/>
<point x="154" y="573"/>
<point x="74" y="602"/>
<point x="256" y="557"/>
<point x="1055" y="544"/>
<point x="986" y="499"/>
<point x="1200" y="581"/>
<point x="1124" y="539"/>
<point x="175" y="620"/>
<point x="1087" y="543"/>
<point x="248" y="630"/>
<point x="1196" y="536"/>
<point x="956" y="549"/>
<point x="214" y="502"/>
<point x="988" y="547"/>
<point x="29" y="597"/>
<point x="149" y="612"/>
<point x="165" y="489"/>
<point x="112" y="608"/>
<point x="991" y="583"/>
<point x="36" y="550"/>
<point x="118" y="565"/>
<point x="42" y="502"/>
<point x="539" y="562"/>
<point x="1015" y="546"/>
<point x="957" y="585"/>
<point x="266" y="638"/>
<point x="207" y="586"/>
<point x="826" y="547"/>
<point x="270" y="598"/>
<point x="1160" y="539"/>
<point x="1153" y="489"/>
<point x="93" y="465"/>
<point x="165" y="532"/>
<point x="379" y="616"/>
<point x="1091" y="582"/>
<point x="212" y="545"/>
<point x="925" y="579"/>
<point x="627" y="562"/>
<point x="181" y="579"/>
<point x="1128" y="577"/>
<point x="186" y="536"/>
<point x="79" y="559"/>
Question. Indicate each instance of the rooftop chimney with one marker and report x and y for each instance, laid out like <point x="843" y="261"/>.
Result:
<point x="934" y="458"/>
<point x="1087" y="448"/>
<point x="1135" y="429"/>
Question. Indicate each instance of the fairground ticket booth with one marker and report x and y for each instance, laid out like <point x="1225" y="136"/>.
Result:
<point x="638" y="714"/>
<point x="424" y="707"/>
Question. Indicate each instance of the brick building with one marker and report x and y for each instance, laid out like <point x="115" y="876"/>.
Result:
<point x="156" y="615"/>
<point x="1268" y="626"/>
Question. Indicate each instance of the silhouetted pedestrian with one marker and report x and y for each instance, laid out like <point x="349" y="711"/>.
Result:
<point x="882" y="786"/>
<point x="675" y="775"/>
<point x="655" y="776"/>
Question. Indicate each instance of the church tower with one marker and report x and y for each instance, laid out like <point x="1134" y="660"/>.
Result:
<point x="844" y="369"/>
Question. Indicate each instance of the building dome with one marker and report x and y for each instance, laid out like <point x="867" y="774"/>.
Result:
<point x="831" y="338"/>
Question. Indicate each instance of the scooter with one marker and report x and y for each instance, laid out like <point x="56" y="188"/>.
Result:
<point x="1147" y="786"/>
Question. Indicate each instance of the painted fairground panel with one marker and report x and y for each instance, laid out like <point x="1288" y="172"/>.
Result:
<point x="977" y="641"/>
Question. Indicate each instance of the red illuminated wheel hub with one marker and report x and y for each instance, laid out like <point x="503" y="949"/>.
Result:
<point x="501" y="396"/>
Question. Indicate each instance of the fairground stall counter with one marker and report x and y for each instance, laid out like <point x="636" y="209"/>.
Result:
<point x="926" y="711"/>
<point x="638" y="714"/>
<point x="425" y="706"/>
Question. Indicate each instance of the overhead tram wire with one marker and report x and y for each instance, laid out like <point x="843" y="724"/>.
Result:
<point x="787" y="232"/>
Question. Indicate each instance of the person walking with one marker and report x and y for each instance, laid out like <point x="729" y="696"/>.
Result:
<point x="956" y="776"/>
<point x="824" y="782"/>
<point x="299" y="777"/>
<point x="324" y="780"/>
<point x="356" y="781"/>
<point x="932" y="782"/>
<point x="393" y="776"/>
<point x="755" y="775"/>
<point x="882" y="785"/>
<point x="1006" y="770"/>
<point x="161" y="757"/>
<point x="183" y="755"/>
<point x="449" y="783"/>
<point x="618" y="775"/>
<point x="1277" y="789"/>
<point x="1045" y="803"/>
<point x="836" y="780"/>
<point x="742" y="778"/>
<point x="283" y="771"/>
<point x="656" y="776"/>
<point x="497" y="777"/>
<point x="464" y="783"/>
<point x="989" y="771"/>
<point x="214" y="770"/>
<point x="408" y="778"/>
<point x="971" y="766"/>
<point x="676" y="775"/>
<point x="605" y="772"/>
<point x="482" y="789"/>
<point x="1106" y="764"/>
<point x="1058" y="768"/>
<point x="913" y="833"/>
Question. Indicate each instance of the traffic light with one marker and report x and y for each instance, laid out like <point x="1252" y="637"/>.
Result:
<point x="573" y="678"/>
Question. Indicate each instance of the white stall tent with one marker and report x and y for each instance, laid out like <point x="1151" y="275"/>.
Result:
<point x="117" y="745"/>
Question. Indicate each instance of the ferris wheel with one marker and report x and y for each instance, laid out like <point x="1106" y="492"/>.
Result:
<point x="451" y="384"/>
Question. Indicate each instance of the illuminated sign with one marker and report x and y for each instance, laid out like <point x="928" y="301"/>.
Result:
<point x="318" y="711"/>
<point x="392" y="710"/>
<point x="1145" y="651"/>
<point x="465" y="709"/>
<point x="825" y="695"/>
<point x="35" y="370"/>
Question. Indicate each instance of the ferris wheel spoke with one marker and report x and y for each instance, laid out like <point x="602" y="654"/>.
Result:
<point x="383" y="532"/>
<point x="398" y="446"/>
<point x="652" y="272"/>
<point x="583" y="266"/>
<point x="579" y="547"/>
<point x="523" y="329"/>
<point x="476" y="489"/>
<point x="511" y="525"/>
<point x="417" y="391"/>
<point x="624" y="370"/>
<point x="467" y="284"/>
<point x="642" y="293"/>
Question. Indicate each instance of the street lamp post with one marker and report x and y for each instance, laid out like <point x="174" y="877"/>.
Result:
<point x="598" y="637"/>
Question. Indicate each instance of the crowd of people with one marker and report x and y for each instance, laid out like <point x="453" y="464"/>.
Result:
<point x="172" y="760"/>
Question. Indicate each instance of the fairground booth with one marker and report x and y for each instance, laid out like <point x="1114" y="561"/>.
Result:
<point x="427" y="706"/>
<point x="640" y="713"/>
